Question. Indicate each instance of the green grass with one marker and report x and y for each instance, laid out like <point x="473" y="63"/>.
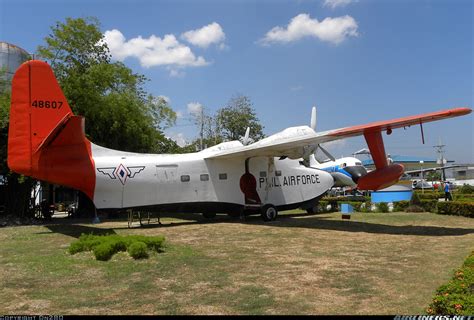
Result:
<point x="375" y="263"/>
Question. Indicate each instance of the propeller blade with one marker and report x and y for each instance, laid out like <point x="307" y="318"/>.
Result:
<point x="246" y="137"/>
<point x="313" y="118"/>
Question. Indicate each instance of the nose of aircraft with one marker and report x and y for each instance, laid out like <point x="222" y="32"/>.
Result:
<point x="356" y="172"/>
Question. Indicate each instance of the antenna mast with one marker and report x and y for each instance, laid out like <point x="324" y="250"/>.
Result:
<point x="441" y="160"/>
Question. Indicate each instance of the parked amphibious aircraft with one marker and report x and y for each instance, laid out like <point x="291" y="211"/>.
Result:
<point x="47" y="141"/>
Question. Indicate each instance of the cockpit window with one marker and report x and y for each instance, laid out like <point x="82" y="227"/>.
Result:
<point x="358" y="163"/>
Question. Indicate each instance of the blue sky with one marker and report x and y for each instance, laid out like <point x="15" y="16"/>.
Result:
<point x="357" y="61"/>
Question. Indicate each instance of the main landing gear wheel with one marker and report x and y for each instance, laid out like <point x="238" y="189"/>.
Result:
<point x="269" y="212"/>
<point x="312" y="210"/>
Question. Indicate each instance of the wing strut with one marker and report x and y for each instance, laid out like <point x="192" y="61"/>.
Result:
<point x="330" y="156"/>
<point x="422" y="134"/>
<point x="385" y="174"/>
<point x="377" y="150"/>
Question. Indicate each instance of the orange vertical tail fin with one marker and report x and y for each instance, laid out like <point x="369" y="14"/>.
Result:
<point x="45" y="139"/>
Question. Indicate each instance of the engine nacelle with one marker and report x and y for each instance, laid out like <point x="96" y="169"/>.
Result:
<point x="381" y="178"/>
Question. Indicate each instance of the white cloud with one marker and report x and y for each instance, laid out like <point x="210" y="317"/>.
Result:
<point x="179" y="138"/>
<point x="205" y="36"/>
<point x="176" y="73"/>
<point x="152" y="51"/>
<point x="194" y="108"/>
<point x="179" y="114"/>
<point x="336" y="3"/>
<point x="334" y="30"/>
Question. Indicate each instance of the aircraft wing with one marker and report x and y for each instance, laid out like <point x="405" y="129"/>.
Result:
<point x="297" y="141"/>
<point x="434" y="169"/>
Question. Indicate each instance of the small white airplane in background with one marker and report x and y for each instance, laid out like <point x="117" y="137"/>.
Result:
<point x="47" y="141"/>
<point x="345" y="171"/>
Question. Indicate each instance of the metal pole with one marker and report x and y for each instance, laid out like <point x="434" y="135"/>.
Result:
<point x="422" y="184"/>
<point x="202" y="125"/>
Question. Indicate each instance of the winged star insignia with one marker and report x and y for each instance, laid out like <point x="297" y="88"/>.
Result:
<point x="121" y="172"/>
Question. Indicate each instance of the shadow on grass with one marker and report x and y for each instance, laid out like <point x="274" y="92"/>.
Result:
<point x="326" y="223"/>
<point x="74" y="229"/>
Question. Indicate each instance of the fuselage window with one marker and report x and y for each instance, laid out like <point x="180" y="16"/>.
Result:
<point x="278" y="173"/>
<point x="204" y="177"/>
<point x="222" y="176"/>
<point x="263" y="174"/>
<point x="185" y="178"/>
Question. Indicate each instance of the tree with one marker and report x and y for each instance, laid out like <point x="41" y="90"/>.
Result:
<point x="433" y="176"/>
<point x="233" y="119"/>
<point x="17" y="188"/>
<point x="229" y="123"/>
<point x="119" y="113"/>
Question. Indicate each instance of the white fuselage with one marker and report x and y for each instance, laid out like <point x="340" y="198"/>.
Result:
<point x="187" y="182"/>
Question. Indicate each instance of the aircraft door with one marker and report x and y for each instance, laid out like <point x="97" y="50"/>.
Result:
<point x="167" y="186"/>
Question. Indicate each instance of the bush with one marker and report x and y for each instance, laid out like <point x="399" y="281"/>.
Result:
<point x="429" y="195"/>
<point x="138" y="250"/>
<point x="455" y="297"/>
<point x="400" y="205"/>
<point x="466" y="189"/>
<point x="104" y="251"/>
<point x="465" y="197"/>
<point x="323" y="206"/>
<point x="429" y="205"/>
<point x="415" y="199"/>
<point x="382" y="207"/>
<point x="104" y="247"/>
<point x="366" y="207"/>
<point x="347" y="199"/>
<point x="86" y="242"/>
<point x="457" y="208"/>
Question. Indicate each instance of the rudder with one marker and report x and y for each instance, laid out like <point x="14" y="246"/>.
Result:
<point x="45" y="139"/>
<point x="37" y="107"/>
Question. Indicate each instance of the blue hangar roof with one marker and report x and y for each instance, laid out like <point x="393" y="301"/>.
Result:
<point x="404" y="159"/>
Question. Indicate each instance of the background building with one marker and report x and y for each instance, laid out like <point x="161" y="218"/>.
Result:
<point x="11" y="57"/>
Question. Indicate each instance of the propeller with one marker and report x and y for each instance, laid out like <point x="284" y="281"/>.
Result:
<point x="246" y="139"/>
<point x="313" y="118"/>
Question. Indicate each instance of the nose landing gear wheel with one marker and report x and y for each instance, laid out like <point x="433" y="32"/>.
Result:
<point x="269" y="212"/>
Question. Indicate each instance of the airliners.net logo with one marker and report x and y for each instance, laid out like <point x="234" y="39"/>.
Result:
<point x="434" y="318"/>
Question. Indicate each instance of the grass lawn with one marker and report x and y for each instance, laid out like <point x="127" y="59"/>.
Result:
<point x="372" y="264"/>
